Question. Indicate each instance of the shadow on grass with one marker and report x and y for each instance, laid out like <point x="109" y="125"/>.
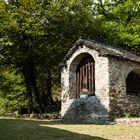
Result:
<point x="34" y="130"/>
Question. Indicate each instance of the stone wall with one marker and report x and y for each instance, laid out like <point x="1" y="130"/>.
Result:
<point x="100" y="105"/>
<point x="122" y="104"/>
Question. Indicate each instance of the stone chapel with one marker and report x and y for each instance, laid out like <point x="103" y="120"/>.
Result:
<point x="99" y="83"/>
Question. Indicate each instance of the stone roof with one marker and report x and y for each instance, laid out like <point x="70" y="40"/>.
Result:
<point x="104" y="50"/>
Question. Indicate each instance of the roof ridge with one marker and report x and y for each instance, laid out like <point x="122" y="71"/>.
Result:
<point x="104" y="50"/>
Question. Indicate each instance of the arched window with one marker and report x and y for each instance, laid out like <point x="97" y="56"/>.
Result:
<point x="85" y="77"/>
<point x="133" y="83"/>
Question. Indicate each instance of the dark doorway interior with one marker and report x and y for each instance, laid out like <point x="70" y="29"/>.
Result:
<point x="133" y="83"/>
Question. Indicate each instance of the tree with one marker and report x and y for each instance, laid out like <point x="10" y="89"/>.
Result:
<point x="35" y="35"/>
<point x="121" y="23"/>
<point x="15" y="26"/>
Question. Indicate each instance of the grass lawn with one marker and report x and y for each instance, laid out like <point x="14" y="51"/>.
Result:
<point x="11" y="129"/>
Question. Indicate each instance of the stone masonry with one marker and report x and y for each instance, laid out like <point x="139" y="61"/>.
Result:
<point x="111" y="69"/>
<point x="122" y="104"/>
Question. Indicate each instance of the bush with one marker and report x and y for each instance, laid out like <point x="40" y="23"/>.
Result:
<point x="12" y="92"/>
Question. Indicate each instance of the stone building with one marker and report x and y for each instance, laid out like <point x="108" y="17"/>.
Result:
<point x="99" y="83"/>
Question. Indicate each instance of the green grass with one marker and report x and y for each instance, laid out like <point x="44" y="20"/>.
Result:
<point x="48" y="130"/>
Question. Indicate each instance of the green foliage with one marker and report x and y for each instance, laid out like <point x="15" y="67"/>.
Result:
<point x="12" y="92"/>
<point x="46" y="30"/>
<point x="43" y="31"/>
<point x="56" y="91"/>
<point x="121" y="25"/>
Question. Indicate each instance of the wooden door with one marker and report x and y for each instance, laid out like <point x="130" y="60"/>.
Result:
<point x="85" y="77"/>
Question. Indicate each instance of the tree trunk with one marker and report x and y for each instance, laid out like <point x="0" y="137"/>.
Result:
<point x="31" y="87"/>
<point x="49" y="88"/>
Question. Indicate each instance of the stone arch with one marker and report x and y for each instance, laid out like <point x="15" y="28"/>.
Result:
<point x="133" y="82"/>
<point x="72" y="72"/>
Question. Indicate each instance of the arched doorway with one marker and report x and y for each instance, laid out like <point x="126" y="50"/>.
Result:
<point x="85" y="77"/>
<point x="133" y="82"/>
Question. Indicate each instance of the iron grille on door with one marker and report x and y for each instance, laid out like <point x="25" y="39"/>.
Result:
<point x="85" y="77"/>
